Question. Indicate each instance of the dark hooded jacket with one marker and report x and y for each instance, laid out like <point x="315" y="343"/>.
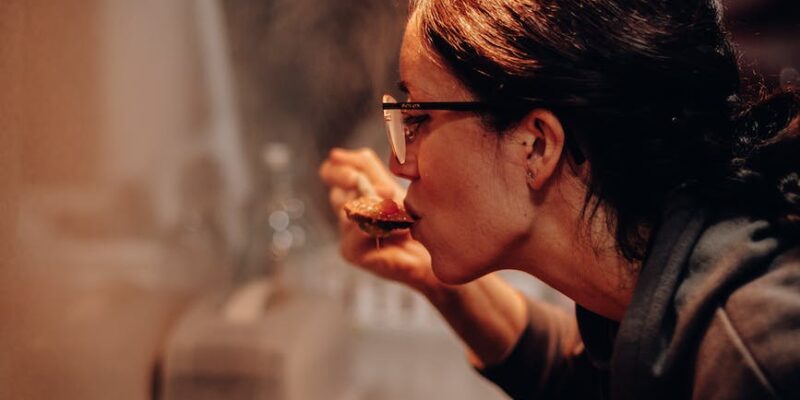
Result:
<point x="715" y="315"/>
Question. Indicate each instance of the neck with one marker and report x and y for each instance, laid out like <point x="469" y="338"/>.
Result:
<point x="600" y="283"/>
<point x="582" y="264"/>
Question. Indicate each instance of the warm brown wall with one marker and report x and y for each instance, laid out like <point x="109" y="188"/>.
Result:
<point x="49" y="130"/>
<point x="58" y="89"/>
<point x="11" y="112"/>
<point x="10" y="116"/>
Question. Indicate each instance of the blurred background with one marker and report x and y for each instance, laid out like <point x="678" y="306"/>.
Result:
<point x="163" y="232"/>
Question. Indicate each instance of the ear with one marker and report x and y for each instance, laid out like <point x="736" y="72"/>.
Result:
<point x="544" y="138"/>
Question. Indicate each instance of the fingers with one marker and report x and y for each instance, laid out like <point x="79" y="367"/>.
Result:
<point x="343" y="167"/>
<point x="387" y="192"/>
<point x="339" y="175"/>
<point x="341" y="171"/>
<point x="367" y="162"/>
<point x="361" y="249"/>
<point x="339" y="196"/>
<point x="399" y="259"/>
<point x="354" y="243"/>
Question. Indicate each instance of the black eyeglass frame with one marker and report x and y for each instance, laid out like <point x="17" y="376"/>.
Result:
<point x="472" y="106"/>
<point x="437" y="105"/>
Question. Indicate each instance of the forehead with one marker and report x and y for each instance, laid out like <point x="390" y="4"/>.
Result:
<point x="425" y="76"/>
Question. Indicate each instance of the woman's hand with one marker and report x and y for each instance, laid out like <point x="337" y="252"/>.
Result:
<point x="400" y="258"/>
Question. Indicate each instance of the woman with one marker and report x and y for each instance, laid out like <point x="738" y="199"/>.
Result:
<point x="604" y="147"/>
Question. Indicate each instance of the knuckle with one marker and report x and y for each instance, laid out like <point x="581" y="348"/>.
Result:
<point x="368" y="154"/>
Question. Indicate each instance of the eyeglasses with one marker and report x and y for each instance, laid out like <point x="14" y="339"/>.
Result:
<point x="398" y="130"/>
<point x="400" y="133"/>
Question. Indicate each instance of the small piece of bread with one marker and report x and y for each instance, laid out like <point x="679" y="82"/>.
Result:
<point x="377" y="217"/>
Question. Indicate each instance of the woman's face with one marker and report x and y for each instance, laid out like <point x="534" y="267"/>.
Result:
<point x="468" y="184"/>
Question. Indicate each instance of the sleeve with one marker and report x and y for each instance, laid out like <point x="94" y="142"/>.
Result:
<point x="549" y="360"/>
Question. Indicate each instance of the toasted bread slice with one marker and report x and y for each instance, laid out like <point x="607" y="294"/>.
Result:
<point x="377" y="217"/>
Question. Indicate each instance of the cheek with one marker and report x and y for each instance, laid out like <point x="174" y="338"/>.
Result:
<point x="468" y="179"/>
<point x="471" y="219"/>
<point x="452" y="178"/>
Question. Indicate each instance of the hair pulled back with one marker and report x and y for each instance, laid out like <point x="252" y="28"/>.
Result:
<point x="650" y="91"/>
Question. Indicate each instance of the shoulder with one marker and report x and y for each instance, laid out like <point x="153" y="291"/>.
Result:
<point x="751" y="348"/>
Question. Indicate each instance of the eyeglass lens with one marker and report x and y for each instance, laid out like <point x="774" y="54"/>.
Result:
<point x="395" y="130"/>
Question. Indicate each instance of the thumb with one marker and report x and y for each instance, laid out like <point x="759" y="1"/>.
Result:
<point x="385" y="191"/>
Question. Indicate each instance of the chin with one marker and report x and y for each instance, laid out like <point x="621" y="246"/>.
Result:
<point x="453" y="273"/>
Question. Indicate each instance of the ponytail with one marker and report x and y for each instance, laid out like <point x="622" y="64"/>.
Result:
<point x="766" y="157"/>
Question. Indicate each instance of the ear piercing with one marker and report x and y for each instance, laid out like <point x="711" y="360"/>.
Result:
<point x="531" y="177"/>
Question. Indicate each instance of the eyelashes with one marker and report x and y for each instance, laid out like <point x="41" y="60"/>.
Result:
<point x="414" y="122"/>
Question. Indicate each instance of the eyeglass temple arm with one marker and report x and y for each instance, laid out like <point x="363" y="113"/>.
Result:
<point x="437" y="105"/>
<point x="572" y="145"/>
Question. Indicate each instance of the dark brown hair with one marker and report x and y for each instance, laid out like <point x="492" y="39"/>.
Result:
<point x="650" y="91"/>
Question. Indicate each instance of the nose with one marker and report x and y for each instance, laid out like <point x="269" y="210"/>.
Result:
<point x="407" y="170"/>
